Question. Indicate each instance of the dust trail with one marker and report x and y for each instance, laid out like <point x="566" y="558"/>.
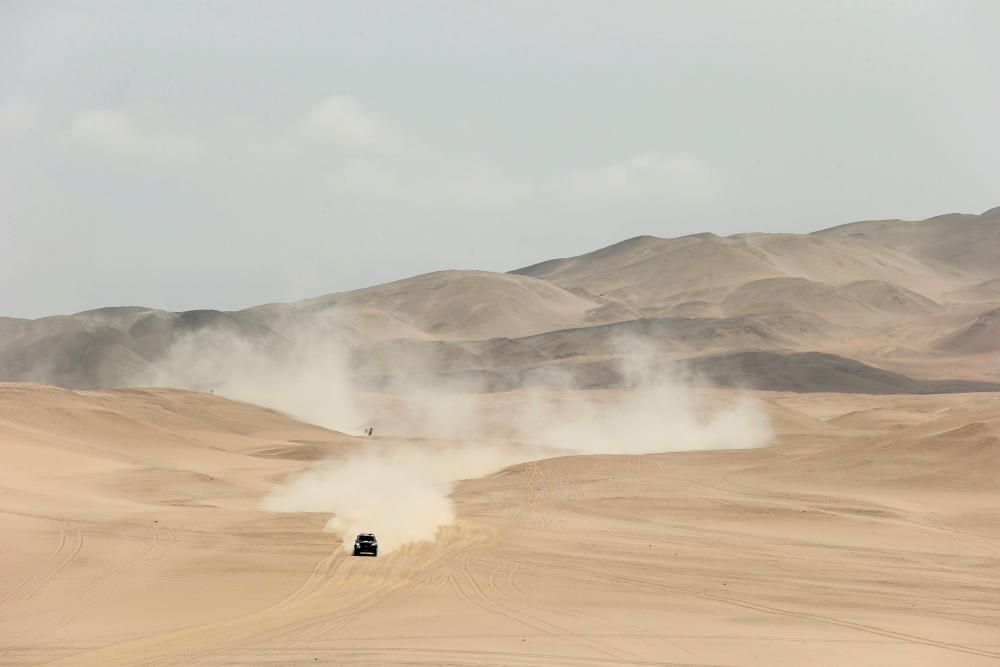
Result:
<point x="306" y="376"/>
<point x="400" y="487"/>
<point x="399" y="491"/>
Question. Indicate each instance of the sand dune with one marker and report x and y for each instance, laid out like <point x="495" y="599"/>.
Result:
<point x="865" y="535"/>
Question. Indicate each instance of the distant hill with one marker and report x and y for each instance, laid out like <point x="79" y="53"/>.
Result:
<point x="956" y="246"/>
<point x="986" y="291"/>
<point x="446" y="305"/>
<point x="820" y="372"/>
<point x="912" y="293"/>
<point x="808" y="372"/>
<point x="981" y="335"/>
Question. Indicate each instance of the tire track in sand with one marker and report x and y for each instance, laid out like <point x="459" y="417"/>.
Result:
<point x="480" y="599"/>
<point x="62" y="616"/>
<point x="649" y="638"/>
<point x="31" y="575"/>
<point x="47" y="577"/>
<point x="114" y="578"/>
<point x="778" y="611"/>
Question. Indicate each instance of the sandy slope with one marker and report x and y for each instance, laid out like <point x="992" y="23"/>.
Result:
<point x="867" y="534"/>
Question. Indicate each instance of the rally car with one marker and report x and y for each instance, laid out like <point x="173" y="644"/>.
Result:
<point x="365" y="543"/>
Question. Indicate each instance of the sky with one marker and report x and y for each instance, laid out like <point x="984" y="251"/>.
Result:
<point x="186" y="155"/>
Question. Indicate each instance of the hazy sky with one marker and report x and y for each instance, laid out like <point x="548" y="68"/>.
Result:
<point x="212" y="154"/>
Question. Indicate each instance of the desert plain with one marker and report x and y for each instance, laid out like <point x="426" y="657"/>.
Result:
<point x="851" y="519"/>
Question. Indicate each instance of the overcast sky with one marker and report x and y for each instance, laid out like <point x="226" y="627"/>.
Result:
<point x="219" y="155"/>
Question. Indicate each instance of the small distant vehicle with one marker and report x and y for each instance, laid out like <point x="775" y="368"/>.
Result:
<point x="365" y="543"/>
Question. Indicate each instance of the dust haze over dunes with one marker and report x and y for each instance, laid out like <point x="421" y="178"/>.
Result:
<point x="771" y="449"/>
<point x="895" y="294"/>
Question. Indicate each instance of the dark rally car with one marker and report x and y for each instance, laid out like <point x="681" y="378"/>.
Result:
<point x="365" y="543"/>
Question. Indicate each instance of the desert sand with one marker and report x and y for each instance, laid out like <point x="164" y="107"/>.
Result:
<point x="760" y="449"/>
<point x="867" y="533"/>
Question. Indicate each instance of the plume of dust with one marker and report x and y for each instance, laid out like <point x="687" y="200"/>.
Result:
<point x="307" y="377"/>
<point x="401" y="488"/>
<point x="401" y="492"/>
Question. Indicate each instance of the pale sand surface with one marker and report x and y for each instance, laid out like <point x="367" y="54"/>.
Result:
<point x="867" y="534"/>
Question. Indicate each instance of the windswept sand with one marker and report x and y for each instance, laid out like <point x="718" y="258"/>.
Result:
<point x="867" y="534"/>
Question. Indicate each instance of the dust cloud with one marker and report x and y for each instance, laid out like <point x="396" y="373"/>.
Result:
<point x="307" y="377"/>
<point x="429" y="436"/>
